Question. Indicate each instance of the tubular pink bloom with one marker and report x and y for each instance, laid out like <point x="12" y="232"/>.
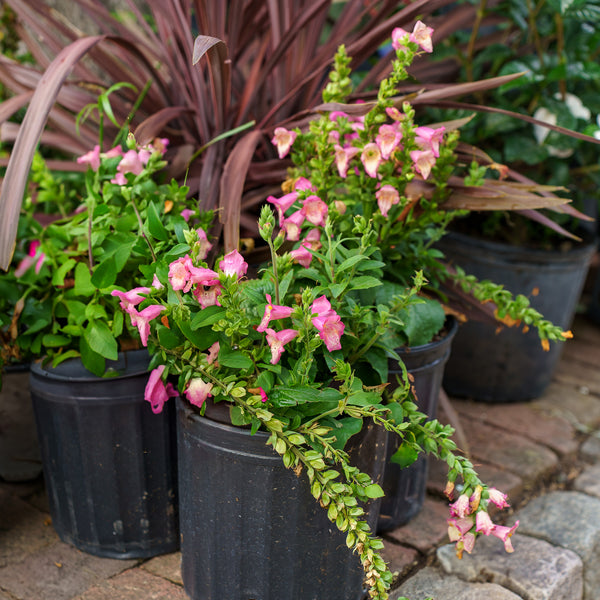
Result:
<point x="144" y="155"/>
<point x="303" y="184"/>
<point x="34" y="256"/>
<point x="371" y="158"/>
<point x="460" y="508"/>
<point x="399" y="37"/>
<point x="132" y="297"/>
<point x="130" y="163"/>
<point x="430" y="139"/>
<point x="277" y="340"/>
<point x="186" y="213"/>
<point x="505" y="533"/>
<point x="263" y="395"/>
<point x="330" y="331"/>
<point x="498" y="498"/>
<point x="484" y="523"/>
<point x="314" y="238"/>
<point x="302" y="255"/>
<point x="202" y="275"/>
<point x="204" y="246"/>
<point x="421" y="35"/>
<point x="39" y="262"/>
<point x="423" y="160"/>
<point x="179" y="274"/>
<point x="198" y="391"/>
<point x="468" y="542"/>
<point x="314" y="210"/>
<point x="387" y="140"/>
<point x="213" y="353"/>
<point x="207" y="296"/>
<point x="457" y="528"/>
<point x="283" y="204"/>
<point x="156" y="284"/>
<point x="322" y="307"/>
<point x="387" y="196"/>
<point x="273" y="312"/>
<point x="334" y="115"/>
<point x="283" y="139"/>
<point x="113" y="152"/>
<point x="333" y="137"/>
<point x="91" y="158"/>
<point x="142" y="319"/>
<point x="156" y="392"/>
<point x="343" y="156"/>
<point x="393" y="113"/>
<point x="292" y="225"/>
<point x="234" y="265"/>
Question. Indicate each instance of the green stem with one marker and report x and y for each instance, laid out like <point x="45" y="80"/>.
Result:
<point x="141" y="224"/>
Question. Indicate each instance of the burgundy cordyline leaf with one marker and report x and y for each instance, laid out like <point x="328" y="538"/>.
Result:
<point x="12" y="105"/>
<point x="232" y="185"/>
<point x="17" y="171"/>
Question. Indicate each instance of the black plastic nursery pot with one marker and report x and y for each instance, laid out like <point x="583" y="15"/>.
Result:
<point x="20" y="458"/>
<point x="109" y="461"/>
<point x="250" y="528"/>
<point x="510" y="365"/>
<point x="405" y="488"/>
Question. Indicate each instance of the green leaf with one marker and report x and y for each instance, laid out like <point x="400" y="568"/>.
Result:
<point x="202" y="340"/>
<point x="51" y="340"/>
<point x="155" y="227"/>
<point x="405" y="456"/>
<point x="338" y="288"/>
<point x="83" y="280"/>
<point x="105" y="273"/>
<point x="58" y="278"/>
<point x="207" y="316"/>
<point x="423" y="321"/>
<point x="374" y="491"/>
<point x="100" y="339"/>
<point x="364" y="282"/>
<point x="168" y="338"/>
<point x="296" y="395"/>
<point x="234" y="359"/>
<point x="91" y="360"/>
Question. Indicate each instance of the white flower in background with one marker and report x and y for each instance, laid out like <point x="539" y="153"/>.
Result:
<point x="577" y="109"/>
<point x="597" y="132"/>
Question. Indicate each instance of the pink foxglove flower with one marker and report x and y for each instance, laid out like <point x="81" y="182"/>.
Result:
<point x="283" y="139"/>
<point x="198" y="391"/>
<point x="156" y="392"/>
<point x="156" y="284"/>
<point x="460" y="508"/>
<point x="430" y="139"/>
<point x="314" y="210"/>
<point x="213" y="353"/>
<point x="132" y="297"/>
<point x="179" y="274"/>
<point x="203" y="245"/>
<point x="423" y="161"/>
<point x="484" y="523"/>
<point x="292" y="226"/>
<point x="387" y="140"/>
<point x="282" y="204"/>
<point x="303" y="184"/>
<point x="498" y="498"/>
<point x="207" y="295"/>
<point x="302" y="255"/>
<point x="34" y="256"/>
<point x="371" y="158"/>
<point x="505" y="533"/>
<point x="328" y="323"/>
<point x="91" y="158"/>
<point x="421" y="35"/>
<point x="387" y="196"/>
<point x="114" y="152"/>
<point x="343" y="156"/>
<point x="277" y="340"/>
<point x="142" y="319"/>
<point x="202" y="276"/>
<point x="130" y="163"/>
<point x="263" y="395"/>
<point x="233" y="265"/>
<point x="399" y="36"/>
<point x="186" y="213"/>
<point x="273" y="312"/>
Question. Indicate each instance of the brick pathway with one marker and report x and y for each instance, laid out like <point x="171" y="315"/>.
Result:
<point x="545" y="454"/>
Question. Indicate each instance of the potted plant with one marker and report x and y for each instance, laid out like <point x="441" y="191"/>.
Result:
<point x="554" y="47"/>
<point x="109" y="464"/>
<point x="410" y="180"/>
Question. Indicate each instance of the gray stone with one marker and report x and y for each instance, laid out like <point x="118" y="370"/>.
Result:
<point x="590" y="449"/>
<point x="431" y="582"/>
<point x="589" y="481"/>
<point x="58" y="572"/>
<point x="570" y="520"/>
<point x="536" y="570"/>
